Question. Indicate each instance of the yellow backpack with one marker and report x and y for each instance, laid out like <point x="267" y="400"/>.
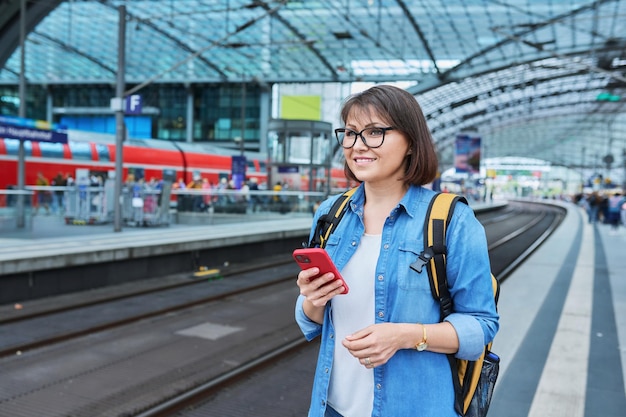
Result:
<point x="473" y="380"/>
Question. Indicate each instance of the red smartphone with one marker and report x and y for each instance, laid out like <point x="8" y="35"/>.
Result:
<point x="310" y="257"/>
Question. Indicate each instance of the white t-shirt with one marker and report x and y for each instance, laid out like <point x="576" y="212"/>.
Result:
<point x="351" y="390"/>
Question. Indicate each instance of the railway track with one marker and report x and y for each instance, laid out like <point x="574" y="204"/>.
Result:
<point x="201" y="376"/>
<point x="114" y="310"/>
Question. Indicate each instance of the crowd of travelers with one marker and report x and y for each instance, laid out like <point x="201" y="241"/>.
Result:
<point x="604" y="207"/>
<point x="198" y="195"/>
<point x="227" y="197"/>
<point x="52" y="202"/>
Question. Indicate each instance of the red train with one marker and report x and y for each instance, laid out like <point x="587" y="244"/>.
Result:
<point x="143" y="158"/>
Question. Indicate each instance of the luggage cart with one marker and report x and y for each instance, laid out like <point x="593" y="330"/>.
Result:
<point x="85" y="205"/>
<point x="145" y="206"/>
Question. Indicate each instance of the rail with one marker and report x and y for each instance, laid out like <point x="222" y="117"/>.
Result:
<point x="144" y="205"/>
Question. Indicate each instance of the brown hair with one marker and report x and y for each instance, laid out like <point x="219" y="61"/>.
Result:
<point x="401" y="110"/>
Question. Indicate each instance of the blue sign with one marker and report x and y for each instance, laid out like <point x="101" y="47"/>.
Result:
<point x="467" y="153"/>
<point x="33" y="130"/>
<point x="133" y="104"/>
<point x="291" y="169"/>
<point x="238" y="170"/>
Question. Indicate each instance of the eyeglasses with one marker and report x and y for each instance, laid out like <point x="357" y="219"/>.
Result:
<point x="372" y="137"/>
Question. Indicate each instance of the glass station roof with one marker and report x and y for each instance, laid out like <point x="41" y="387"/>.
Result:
<point x="535" y="78"/>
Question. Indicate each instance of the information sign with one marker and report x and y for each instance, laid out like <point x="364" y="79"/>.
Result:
<point x="33" y="130"/>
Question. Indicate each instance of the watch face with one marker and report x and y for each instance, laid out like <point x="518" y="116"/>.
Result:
<point x="422" y="346"/>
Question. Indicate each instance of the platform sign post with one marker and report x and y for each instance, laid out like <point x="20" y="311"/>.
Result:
<point x="24" y="129"/>
<point x="117" y="105"/>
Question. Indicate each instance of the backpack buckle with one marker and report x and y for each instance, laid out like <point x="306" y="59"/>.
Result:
<point x="422" y="259"/>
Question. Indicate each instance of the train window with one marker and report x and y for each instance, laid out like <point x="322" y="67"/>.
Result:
<point x="169" y="175"/>
<point x="136" y="173"/>
<point x="80" y="151"/>
<point x="263" y="167"/>
<point x="51" y="150"/>
<point x="251" y="166"/>
<point x="13" y="145"/>
<point x="103" y="152"/>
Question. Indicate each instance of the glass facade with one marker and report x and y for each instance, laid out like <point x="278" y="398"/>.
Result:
<point x="532" y="77"/>
<point x="218" y="113"/>
<point x="82" y="96"/>
<point x="171" y="102"/>
<point x="35" y="101"/>
<point x="217" y="110"/>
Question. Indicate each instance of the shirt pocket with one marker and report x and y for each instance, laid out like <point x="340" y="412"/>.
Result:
<point x="409" y="279"/>
<point x="332" y="245"/>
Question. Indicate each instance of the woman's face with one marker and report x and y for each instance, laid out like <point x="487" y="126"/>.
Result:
<point x="376" y="165"/>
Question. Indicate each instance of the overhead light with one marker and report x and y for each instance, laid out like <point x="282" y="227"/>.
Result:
<point x="342" y="35"/>
<point x="235" y="45"/>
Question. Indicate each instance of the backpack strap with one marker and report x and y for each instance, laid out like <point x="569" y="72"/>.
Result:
<point x="327" y="223"/>
<point x="438" y="217"/>
<point x="435" y="251"/>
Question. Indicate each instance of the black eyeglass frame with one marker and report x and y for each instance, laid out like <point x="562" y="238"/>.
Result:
<point x="357" y="134"/>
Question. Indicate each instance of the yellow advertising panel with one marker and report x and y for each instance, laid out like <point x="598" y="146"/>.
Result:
<point x="301" y="107"/>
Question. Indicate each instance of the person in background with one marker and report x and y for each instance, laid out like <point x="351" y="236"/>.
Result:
<point x="44" y="197"/>
<point x="383" y="349"/>
<point x="593" y="206"/>
<point x="255" y="201"/>
<point x="197" y="201"/>
<point x="206" y="192"/>
<point x="179" y="185"/>
<point x="58" y="202"/>
<point x="69" y="180"/>
<point x="614" y="207"/>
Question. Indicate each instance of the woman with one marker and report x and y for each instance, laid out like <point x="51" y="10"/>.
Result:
<point x="383" y="349"/>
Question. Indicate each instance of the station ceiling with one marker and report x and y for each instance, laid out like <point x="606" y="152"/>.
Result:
<point x="541" y="79"/>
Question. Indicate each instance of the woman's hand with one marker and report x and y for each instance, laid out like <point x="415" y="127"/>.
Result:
<point x="374" y="345"/>
<point x="317" y="291"/>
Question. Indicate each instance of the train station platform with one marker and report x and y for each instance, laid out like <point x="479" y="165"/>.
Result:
<point x="50" y="243"/>
<point x="562" y="338"/>
<point x="53" y="258"/>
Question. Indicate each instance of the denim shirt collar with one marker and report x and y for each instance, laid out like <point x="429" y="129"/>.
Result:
<point x="409" y="202"/>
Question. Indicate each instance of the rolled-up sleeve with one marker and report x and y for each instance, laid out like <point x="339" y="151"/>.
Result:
<point x="470" y="334"/>
<point x="475" y="317"/>
<point x="309" y="328"/>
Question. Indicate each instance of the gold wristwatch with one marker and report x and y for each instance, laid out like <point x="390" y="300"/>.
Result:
<point x="422" y="345"/>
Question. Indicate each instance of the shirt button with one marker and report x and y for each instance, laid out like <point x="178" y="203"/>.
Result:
<point x="326" y="370"/>
<point x="353" y="243"/>
<point x="378" y="386"/>
<point x="381" y="314"/>
<point x="332" y="336"/>
<point x="380" y="277"/>
<point x="386" y="246"/>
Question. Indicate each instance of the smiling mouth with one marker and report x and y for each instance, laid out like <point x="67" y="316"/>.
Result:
<point x="358" y="160"/>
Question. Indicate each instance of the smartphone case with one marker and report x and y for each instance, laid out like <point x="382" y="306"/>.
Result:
<point x="310" y="257"/>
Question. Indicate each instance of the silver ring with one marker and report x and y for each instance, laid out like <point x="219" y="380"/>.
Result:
<point x="368" y="362"/>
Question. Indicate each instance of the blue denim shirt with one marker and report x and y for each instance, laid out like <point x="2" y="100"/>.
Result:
<point x="411" y="383"/>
